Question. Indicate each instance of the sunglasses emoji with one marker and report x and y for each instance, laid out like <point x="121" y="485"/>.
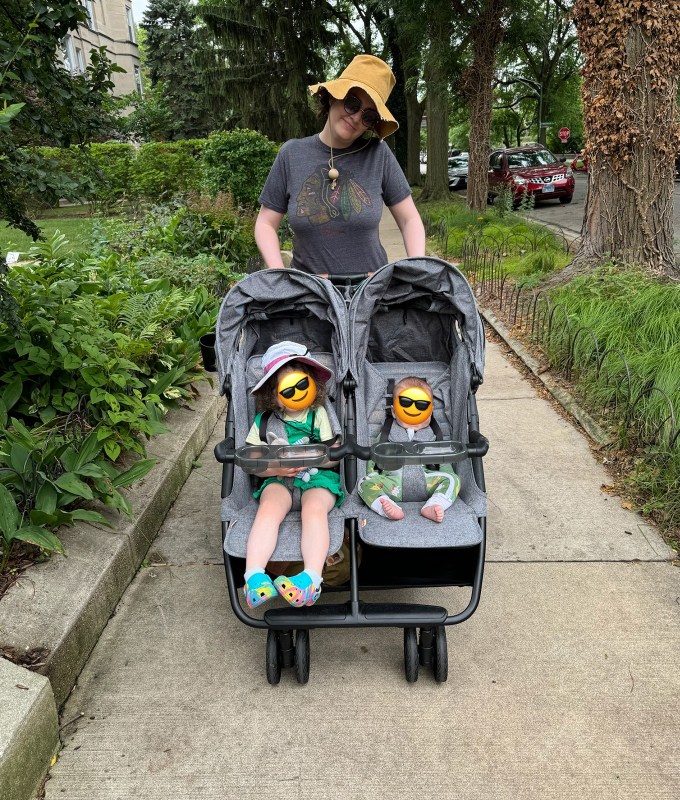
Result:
<point x="412" y="406"/>
<point x="297" y="391"/>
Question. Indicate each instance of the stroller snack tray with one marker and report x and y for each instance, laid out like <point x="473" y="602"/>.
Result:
<point x="261" y="457"/>
<point x="393" y="455"/>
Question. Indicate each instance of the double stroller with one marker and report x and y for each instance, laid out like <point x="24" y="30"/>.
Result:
<point x="414" y="317"/>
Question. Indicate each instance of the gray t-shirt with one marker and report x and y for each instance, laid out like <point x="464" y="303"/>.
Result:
<point x="335" y="230"/>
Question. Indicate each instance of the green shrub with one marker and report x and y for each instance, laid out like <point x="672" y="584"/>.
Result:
<point x="238" y="162"/>
<point x="110" y="166"/>
<point x="161" y="170"/>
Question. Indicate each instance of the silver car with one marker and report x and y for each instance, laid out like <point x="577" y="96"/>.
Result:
<point x="458" y="171"/>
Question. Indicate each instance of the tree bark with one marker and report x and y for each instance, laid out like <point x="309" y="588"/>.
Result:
<point x="630" y="89"/>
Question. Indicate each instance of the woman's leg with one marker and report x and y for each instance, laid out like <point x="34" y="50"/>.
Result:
<point x="275" y="503"/>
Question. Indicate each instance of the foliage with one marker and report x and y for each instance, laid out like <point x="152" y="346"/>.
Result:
<point x="99" y="352"/>
<point x="179" y="58"/>
<point x="48" y="103"/>
<point x="274" y="51"/>
<point x="161" y="170"/>
<point x="238" y="162"/>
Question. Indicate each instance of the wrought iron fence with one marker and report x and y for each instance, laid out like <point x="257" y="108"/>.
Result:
<point x="573" y="350"/>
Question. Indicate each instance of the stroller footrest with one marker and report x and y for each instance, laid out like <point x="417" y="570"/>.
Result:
<point x="331" y="615"/>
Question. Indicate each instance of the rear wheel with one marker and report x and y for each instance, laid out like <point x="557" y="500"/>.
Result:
<point x="302" y="656"/>
<point x="273" y="657"/>
<point x="566" y="200"/>
<point x="411" y="654"/>
<point x="441" y="655"/>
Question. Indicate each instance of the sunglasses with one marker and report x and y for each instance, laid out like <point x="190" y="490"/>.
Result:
<point x="369" y="116"/>
<point x="300" y="386"/>
<point x="421" y="405"/>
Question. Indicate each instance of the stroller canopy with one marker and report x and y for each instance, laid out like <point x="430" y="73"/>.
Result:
<point x="280" y="293"/>
<point x="442" y="303"/>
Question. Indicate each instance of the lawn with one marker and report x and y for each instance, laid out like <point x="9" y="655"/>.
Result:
<point x="73" y="221"/>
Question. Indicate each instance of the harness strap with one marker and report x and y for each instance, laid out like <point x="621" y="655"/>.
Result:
<point x="264" y="421"/>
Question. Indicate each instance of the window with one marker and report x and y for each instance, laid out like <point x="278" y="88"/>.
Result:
<point x="80" y="61"/>
<point x="131" y="24"/>
<point x="67" y="53"/>
<point x="496" y="161"/>
<point x="138" y="81"/>
<point x="89" y="8"/>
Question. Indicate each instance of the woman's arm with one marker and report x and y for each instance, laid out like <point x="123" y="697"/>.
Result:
<point x="411" y="226"/>
<point x="267" y="236"/>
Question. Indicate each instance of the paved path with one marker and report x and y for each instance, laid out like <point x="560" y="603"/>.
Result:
<point x="563" y="684"/>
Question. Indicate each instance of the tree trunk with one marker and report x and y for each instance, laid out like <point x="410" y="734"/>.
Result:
<point x="487" y="33"/>
<point x="414" y="116"/>
<point x="437" y="103"/>
<point x="629" y="92"/>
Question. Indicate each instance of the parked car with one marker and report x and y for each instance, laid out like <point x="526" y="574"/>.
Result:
<point x="532" y="170"/>
<point x="580" y="163"/>
<point x="458" y="171"/>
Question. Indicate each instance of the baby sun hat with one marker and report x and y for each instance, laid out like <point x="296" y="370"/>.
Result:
<point x="281" y="353"/>
<point x="373" y="76"/>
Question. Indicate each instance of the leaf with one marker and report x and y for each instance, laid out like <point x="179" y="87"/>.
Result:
<point x="40" y="537"/>
<point x="12" y="392"/>
<point x="90" y="516"/>
<point x="136" y="472"/>
<point x="111" y="449"/>
<point x="88" y="450"/>
<point x="71" y="483"/>
<point x="71" y="361"/>
<point x="9" y="516"/>
<point x="46" y="499"/>
<point x="18" y="458"/>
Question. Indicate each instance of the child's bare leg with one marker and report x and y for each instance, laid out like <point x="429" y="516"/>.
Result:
<point x="316" y="505"/>
<point x="304" y="589"/>
<point x="390" y="509"/>
<point x="275" y="503"/>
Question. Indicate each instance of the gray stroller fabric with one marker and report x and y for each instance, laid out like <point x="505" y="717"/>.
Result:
<point x="263" y="308"/>
<point x="418" y="318"/>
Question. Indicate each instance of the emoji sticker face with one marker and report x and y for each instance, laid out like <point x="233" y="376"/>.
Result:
<point x="297" y="390"/>
<point x="412" y="406"/>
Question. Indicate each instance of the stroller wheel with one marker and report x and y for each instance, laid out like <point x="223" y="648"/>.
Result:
<point x="411" y="659"/>
<point x="273" y="657"/>
<point x="302" y="656"/>
<point x="441" y="655"/>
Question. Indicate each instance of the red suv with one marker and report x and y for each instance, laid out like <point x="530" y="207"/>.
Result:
<point x="530" y="170"/>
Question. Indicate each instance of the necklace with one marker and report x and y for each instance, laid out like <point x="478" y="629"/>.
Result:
<point x="333" y="174"/>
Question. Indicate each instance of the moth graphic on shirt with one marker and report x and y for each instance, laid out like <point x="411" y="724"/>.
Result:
<point x="320" y="203"/>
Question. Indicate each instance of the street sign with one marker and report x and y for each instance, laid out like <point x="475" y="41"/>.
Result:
<point x="564" y="134"/>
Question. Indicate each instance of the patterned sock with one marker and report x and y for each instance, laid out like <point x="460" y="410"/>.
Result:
<point x="259" y="588"/>
<point x="300" y="590"/>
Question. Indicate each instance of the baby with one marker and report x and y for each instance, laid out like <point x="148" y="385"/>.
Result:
<point x="412" y="413"/>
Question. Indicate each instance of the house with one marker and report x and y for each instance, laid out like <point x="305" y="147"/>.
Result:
<point x="110" y="24"/>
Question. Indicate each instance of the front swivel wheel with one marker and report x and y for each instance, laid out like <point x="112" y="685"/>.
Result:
<point x="302" y="656"/>
<point x="411" y="659"/>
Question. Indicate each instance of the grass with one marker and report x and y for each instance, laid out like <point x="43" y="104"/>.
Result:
<point x="73" y="221"/>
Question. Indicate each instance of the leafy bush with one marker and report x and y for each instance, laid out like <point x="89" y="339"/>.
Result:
<point x="101" y="351"/>
<point x="238" y="162"/>
<point x="161" y="170"/>
<point x="110" y="166"/>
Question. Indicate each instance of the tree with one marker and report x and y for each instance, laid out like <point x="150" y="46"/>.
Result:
<point x="630" y="85"/>
<point x="486" y="21"/>
<point x="273" y="52"/>
<point x="50" y="105"/>
<point x="180" y="56"/>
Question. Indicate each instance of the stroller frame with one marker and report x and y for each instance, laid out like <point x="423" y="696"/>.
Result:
<point x="426" y="647"/>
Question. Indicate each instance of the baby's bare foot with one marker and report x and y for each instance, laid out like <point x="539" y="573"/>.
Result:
<point x="392" y="510"/>
<point x="435" y="513"/>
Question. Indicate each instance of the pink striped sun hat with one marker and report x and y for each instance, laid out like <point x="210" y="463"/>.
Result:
<point x="281" y="353"/>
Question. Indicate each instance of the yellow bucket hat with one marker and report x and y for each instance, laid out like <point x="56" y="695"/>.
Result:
<point x="373" y="76"/>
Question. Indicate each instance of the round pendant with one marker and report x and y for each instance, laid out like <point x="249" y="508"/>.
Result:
<point x="333" y="174"/>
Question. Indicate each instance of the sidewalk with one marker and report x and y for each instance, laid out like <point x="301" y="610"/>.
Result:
<point x="563" y="684"/>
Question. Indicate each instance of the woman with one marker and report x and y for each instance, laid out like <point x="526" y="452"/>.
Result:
<point x="333" y="185"/>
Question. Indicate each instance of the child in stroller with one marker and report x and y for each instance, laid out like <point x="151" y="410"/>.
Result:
<point x="410" y="419"/>
<point x="290" y="399"/>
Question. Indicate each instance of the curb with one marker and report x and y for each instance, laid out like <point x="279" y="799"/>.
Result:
<point x="563" y="397"/>
<point x="63" y="605"/>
